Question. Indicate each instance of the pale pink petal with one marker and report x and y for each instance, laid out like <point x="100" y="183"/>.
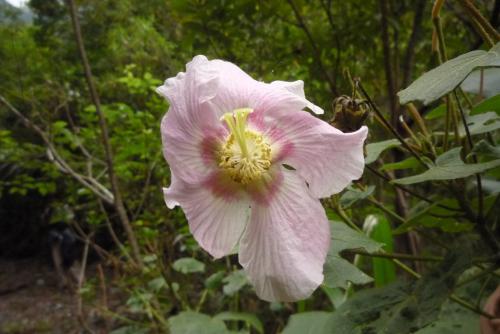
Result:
<point x="216" y="222"/>
<point x="190" y="152"/>
<point x="325" y="157"/>
<point x="236" y="89"/>
<point x="297" y="88"/>
<point x="284" y="246"/>
<point x="190" y="126"/>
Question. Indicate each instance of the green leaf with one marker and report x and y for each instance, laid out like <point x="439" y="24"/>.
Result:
<point x="338" y="271"/>
<point x="491" y="104"/>
<point x="214" y="280"/>
<point x="130" y="330"/>
<point x="410" y="162"/>
<point x="373" y="150"/>
<point x="188" y="265"/>
<point x="444" y="78"/>
<point x="449" y="166"/>
<point x="157" y="284"/>
<point x="194" y="323"/>
<point x="401" y="307"/>
<point x="481" y="123"/>
<point x="234" y="282"/>
<point x="352" y="195"/>
<point x="485" y="149"/>
<point x="453" y="319"/>
<point x="437" y="112"/>
<point x="434" y="216"/>
<point x="250" y="319"/>
<point x="337" y="296"/>
<point x="310" y="323"/>
<point x="378" y="228"/>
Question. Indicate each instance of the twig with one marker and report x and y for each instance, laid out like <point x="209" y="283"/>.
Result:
<point x="474" y="13"/>
<point x="94" y="186"/>
<point x="389" y="126"/>
<point x="397" y="256"/>
<point x="118" y="202"/>
<point x="81" y="277"/>
<point x="314" y="46"/>
<point x="481" y="222"/>
<point x="145" y="191"/>
<point x="104" y="294"/>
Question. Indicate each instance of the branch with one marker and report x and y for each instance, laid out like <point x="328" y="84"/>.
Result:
<point x="415" y="35"/>
<point x="391" y="87"/>
<point x="118" y="202"/>
<point x="396" y="256"/>
<point x="88" y="182"/>
<point x="314" y="46"/>
<point x="389" y="126"/>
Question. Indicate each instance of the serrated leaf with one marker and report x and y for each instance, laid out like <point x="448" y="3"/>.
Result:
<point x="338" y="271"/>
<point x="444" y="78"/>
<point x="373" y="150"/>
<point x="188" y="265"/>
<point x="404" y="307"/>
<point x="449" y="166"/>
<point x="352" y="195"/>
<point x="234" y="282"/>
<point x="453" y="319"/>
<point x="250" y="319"/>
<point x="194" y="323"/>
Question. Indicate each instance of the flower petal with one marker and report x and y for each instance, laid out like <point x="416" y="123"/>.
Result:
<point x="236" y="89"/>
<point x="284" y="246"/>
<point x="217" y="222"/>
<point x="324" y="156"/>
<point x="190" y="152"/>
<point x="190" y="126"/>
<point x="297" y="88"/>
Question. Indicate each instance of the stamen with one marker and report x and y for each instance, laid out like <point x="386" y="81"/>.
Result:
<point x="245" y="156"/>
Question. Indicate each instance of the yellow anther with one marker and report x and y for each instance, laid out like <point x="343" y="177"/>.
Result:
<point x="245" y="156"/>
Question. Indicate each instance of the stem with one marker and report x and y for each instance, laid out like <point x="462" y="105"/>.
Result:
<point x="346" y="219"/>
<point x="118" y="202"/>
<point x="411" y="192"/>
<point x="383" y="208"/>
<point x="389" y="126"/>
<point x="202" y="300"/>
<point x="314" y="46"/>
<point x="453" y="297"/>
<point x="397" y="256"/>
<point x="480" y="221"/>
<point x="471" y="145"/>
<point x="484" y="35"/>
<point x="481" y="20"/>
<point x="92" y="184"/>
<point x="477" y="276"/>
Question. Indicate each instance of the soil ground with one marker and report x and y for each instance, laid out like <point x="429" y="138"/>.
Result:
<point x="32" y="301"/>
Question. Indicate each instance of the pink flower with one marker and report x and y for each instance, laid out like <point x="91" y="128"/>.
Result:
<point x="248" y="168"/>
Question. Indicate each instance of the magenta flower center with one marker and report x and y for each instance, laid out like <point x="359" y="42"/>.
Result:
<point x="245" y="156"/>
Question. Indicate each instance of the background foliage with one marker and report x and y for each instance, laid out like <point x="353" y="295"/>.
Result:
<point x="414" y="243"/>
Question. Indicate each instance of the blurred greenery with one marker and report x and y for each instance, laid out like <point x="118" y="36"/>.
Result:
<point x="431" y="213"/>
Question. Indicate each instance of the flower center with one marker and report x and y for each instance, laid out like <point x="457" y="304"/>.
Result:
<point x="245" y="156"/>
